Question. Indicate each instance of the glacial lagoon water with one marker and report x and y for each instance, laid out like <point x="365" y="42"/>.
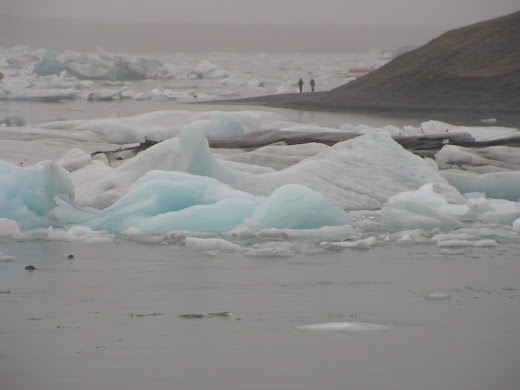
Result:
<point x="414" y="286"/>
<point x="114" y="317"/>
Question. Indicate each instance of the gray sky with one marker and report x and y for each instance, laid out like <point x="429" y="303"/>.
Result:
<point x="456" y="12"/>
<point x="410" y="21"/>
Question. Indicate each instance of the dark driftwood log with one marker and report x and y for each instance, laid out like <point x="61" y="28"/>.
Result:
<point x="423" y="145"/>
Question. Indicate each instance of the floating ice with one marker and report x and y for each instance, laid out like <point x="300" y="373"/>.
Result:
<point x="6" y="258"/>
<point x="422" y="209"/>
<point x="213" y="244"/>
<point x="359" y="244"/>
<point x="296" y="207"/>
<point x="12" y="121"/>
<point x="345" y="327"/>
<point x="106" y="66"/>
<point x="29" y="195"/>
<point x="208" y="70"/>
<point x="163" y="125"/>
<point x="466" y="243"/>
<point x="365" y="129"/>
<point x="48" y="65"/>
<point x="501" y="185"/>
<point x="239" y="80"/>
<point x="309" y="235"/>
<point x="295" y="200"/>
<point x="287" y="87"/>
<point x="79" y="233"/>
<point x="74" y="160"/>
<point x="362" y="173"/>
<point x="482" y="160"/>
<point x="484" y="133"/>
<point x="165" y="201"/>
<point x="516" y="225"/>
<point x="7" y="227"/>
<point x="437" y="296"/>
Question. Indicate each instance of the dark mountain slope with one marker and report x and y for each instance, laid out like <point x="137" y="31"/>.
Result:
<point x="471" y="69"/>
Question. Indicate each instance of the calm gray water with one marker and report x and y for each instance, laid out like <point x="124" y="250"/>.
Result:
<point x="110" y="319"/>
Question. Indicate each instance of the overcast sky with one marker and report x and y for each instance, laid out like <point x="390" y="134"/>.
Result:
<point x="414" y="17"/>
<point x="457" y="12"/>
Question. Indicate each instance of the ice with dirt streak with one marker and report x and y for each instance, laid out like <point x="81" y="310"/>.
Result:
<point x="356" y="194"/>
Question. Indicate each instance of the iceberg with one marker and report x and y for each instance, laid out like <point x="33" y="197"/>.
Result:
<point x="273" y="201"/>
<point x="105" y="66"/>
<point x="421" y="209"/>
<point x="208" y="70"/>
<point x="501" y="185"/>
<point x="29" y="194"/>
<point x="42" y="196"/>
<point x="296" y="207"/>
<point x="49" y="65"/>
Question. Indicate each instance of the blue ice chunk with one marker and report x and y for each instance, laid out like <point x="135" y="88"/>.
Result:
<point x="295" y="206"/>
<point x="162" y="201"/>
<point x="48" y="65"/>
<point x="28" y="194"/>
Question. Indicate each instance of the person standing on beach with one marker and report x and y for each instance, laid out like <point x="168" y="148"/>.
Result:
<point x="312" y="84"/>
<point x="300" y="84"/>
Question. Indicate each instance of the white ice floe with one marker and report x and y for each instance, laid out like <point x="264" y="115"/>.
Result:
<point x="79" y="233"/>
<point x="345" y="327"/>
<point x="29" y="194"/>
<point x="501" y="185"/>
<point x="366" y="243"/>
<point x="455" y="243"/>
<point x="362" y="173"/>
<point x="107" y="66"/>
<point x="482" y="160"/>
<point x="421" y="209"/>
<point x="208" y="70"/>
<point x="163" y="125"/>
<point x="7" y="227"/>
<point x="437" y="296"/>
<point x="6" y="258"/>
<point x="213" y="244"/>
<point x="483" y="133"/>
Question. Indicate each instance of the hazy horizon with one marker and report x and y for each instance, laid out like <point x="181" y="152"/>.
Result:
<point x="236" y="25"/>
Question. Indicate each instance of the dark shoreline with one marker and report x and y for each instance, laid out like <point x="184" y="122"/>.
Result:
<point x="467" y="74"/>
<point x="454" y="116"/>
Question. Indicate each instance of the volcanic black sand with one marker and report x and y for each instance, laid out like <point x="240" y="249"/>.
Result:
<point x="473" y="71"/>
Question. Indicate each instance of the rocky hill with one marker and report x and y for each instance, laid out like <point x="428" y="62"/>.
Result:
<point x="471" y="69"/>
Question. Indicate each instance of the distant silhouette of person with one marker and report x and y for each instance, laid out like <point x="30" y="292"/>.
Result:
<point x="312" y="84"/>
<point x="300" y="84"/>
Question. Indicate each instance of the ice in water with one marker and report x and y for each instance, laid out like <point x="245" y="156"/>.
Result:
<point x="356" y="194"/>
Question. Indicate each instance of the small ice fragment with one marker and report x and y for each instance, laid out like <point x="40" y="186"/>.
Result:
<point x="437" y="296"/>
<point x="6" y="257"/>
<point x="346" y="327"/>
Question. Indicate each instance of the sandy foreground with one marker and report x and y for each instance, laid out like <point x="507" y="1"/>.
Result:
<point x="114" y="317"/>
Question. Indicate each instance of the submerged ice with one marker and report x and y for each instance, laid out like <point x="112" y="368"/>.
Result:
<point x="356" y="194"/>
